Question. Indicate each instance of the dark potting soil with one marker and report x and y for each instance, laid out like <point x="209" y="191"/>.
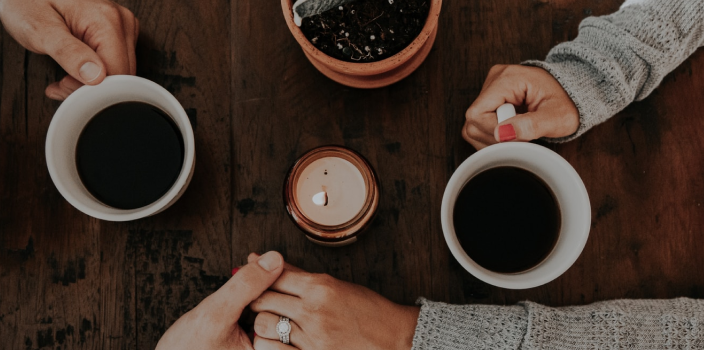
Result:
<point x="367" y="30"/>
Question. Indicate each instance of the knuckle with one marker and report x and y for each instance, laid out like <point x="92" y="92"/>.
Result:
<point x="323" y="287"/>
<point x="126" y="12"/>
<point x="310" y="309"/>
<point x="473" y="132"/>
<point x="67" y="49"/>
<point x="497" y="68"/>
<point x="471" y="113"/>
<point x="260" y="325"/>
<point x="326" y="279"/>
<point x="110" y="12"/>
<point x="510" y="68"/>
<point x="257" y="303"/>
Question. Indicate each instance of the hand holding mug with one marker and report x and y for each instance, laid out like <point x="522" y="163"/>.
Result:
<point x="326" y="313"/>
<point x="551" y="112"/>
<point x="88" y="38"/>
<point x="213" y="323"/>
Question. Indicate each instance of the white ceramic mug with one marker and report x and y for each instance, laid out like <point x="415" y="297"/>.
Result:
<point x="571" y="196"/>
<point x="73" y="115"/>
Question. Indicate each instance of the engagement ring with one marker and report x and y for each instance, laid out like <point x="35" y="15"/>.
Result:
<point x="283" y="328"/>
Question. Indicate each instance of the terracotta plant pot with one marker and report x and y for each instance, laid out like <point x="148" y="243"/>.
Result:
<point x="374" y="74"/>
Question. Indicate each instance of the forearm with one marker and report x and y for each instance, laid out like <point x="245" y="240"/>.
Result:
<point x="623" y="57"/>
<point x="444" y="327"/>
<point x="638" y="324"/>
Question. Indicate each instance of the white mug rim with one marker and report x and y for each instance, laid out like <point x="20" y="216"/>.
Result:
<point x="176" y="188"/>
<point x="511" y="281"/>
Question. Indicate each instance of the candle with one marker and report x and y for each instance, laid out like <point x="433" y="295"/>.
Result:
<point x="331" y="193"/>
<point x="335" y="181"/>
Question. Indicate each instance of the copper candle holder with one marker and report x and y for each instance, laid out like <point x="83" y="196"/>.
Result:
<point x="333" y="235"/>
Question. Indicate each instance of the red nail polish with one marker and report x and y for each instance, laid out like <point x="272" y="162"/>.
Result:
<point x="506" y="133"/>
<point x="234" y="271"/>
<point x="255" y="334"/>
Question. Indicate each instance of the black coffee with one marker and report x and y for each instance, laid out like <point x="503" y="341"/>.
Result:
<point x="129" y="155"/>
<point x="507" y="219"/>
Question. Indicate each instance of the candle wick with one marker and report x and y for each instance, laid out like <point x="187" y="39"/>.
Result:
<point x="320" y="199"/>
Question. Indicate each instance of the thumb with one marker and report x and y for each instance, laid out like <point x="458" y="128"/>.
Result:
<point x="523" y="127"/>
<point x="75" y="57"/>
<point x="247" y="284"/>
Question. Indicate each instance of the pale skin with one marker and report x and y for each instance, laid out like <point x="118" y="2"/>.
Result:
<point x="325" y="313"/>
<point x="89" y="39"/>
<point x="213" y="323"/>
<point x="550" y="111"/>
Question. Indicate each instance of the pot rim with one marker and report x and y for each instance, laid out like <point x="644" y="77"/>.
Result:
<point x="370" y="68"/>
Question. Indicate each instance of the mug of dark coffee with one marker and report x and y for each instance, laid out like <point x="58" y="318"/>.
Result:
<point x="121" y="150"/>
<point x="516" y="215"/>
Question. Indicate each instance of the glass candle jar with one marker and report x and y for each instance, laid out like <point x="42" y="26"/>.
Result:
<point x="331" y="193"/>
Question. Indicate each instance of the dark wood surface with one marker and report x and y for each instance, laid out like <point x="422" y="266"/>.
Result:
<point x="72" y="282"/>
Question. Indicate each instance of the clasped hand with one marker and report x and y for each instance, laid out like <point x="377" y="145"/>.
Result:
<point x="325" y="313"/>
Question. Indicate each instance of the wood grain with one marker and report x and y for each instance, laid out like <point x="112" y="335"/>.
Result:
<point x="72" y="282"/>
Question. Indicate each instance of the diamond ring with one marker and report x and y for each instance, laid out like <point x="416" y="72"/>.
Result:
<point x="283" y="328"/>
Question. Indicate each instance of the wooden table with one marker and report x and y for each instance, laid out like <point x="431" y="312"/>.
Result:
<point x="72" y="282"/>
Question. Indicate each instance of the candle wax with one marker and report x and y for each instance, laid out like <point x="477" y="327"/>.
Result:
<point x="341" y="181"/>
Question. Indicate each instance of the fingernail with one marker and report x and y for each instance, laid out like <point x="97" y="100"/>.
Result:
<point x="234" y="271"/>
<point x="89" y="71"/>
<point x="255" y="334"/>
<point x="270" y="261"/>
<point x="506" y="133"/>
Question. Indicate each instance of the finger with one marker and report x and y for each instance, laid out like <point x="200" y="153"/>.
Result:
<point x="526" y="127"/>
<point x="109" y="42"/>
<point x="500" y="91"/>
<point x="61" y="89"/>
<point x="55" y="92"/>
<point x="245" y="286"/>
<point x="475" y="136"/>
<point x="287" y="266"/>
<point x="268" y="344"/>
<point x="75" y="57"/>
<point x="481" y="126"/>
<point x="277" y="303"/>
<point x="129" y="23"/>
<point x="265" y="327"/>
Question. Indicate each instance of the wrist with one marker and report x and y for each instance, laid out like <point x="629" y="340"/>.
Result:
<point x="408" y="319"/>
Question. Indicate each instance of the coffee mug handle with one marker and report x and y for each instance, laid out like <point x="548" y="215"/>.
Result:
<point x="505" y="112"/>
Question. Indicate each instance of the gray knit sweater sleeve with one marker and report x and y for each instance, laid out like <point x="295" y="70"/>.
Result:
<point x="623" y="57"/>
<point x="620" y="324"/>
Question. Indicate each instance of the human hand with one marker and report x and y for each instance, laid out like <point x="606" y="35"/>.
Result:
<point x="551" y="112"/>
<point x="213" y="323"/>
<point x="89" y="39"/>
<point x="326" y="313"/>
